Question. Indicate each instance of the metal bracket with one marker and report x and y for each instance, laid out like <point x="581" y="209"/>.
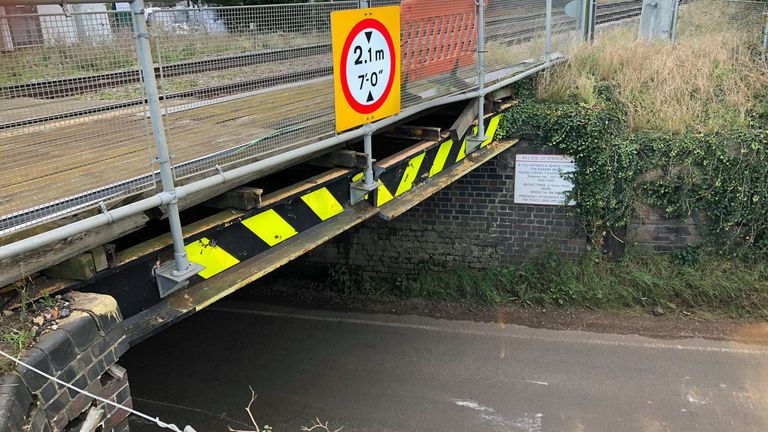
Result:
<point x="220" y="170"/>
<point x="106" y="212"/>
<point x="474" y="142"/>
<point x="358" y="190"/>
<point x="170" y="280"/>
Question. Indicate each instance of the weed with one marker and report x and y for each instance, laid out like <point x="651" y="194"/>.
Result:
<point x="708" y="283"/>
<point x="46" y="301"/>
<point x="346" y="281"/>
<point x="707" y="81"/>
<point x="18" y="340"/>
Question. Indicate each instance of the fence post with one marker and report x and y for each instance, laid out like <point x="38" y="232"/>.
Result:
<point x="548" y="44"/>
<point x="474" y="142"/>
<point x="765" y="28"/>
<point x="586" y="19"/>
<point x="592" y="21"/>
<point x="675" y="12"/>
<point x="171" y="275"/>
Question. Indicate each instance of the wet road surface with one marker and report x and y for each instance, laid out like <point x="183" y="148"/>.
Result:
<point x="406" y="373"/>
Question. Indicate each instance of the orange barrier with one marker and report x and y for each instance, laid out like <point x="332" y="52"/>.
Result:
<point x="440" y="36"/>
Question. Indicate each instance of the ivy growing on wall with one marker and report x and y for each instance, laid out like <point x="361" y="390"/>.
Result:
<point x="719" y="179"/>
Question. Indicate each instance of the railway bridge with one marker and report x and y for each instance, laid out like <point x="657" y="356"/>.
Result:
<point x="170" y="156"/>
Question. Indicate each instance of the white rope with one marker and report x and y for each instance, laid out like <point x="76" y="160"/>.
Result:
<point x="155" y="420"/>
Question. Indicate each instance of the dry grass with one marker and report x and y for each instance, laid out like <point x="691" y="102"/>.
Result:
<point x="708" y="81"/>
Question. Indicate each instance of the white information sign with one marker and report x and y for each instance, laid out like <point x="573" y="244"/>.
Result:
<point x="539" y="179"/>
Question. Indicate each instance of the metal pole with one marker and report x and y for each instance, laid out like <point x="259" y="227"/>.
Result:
<point x="369" y="184"/>
<point x="359" y="190"/>
<point x="585" y="21"/>
<point x="765" y="31"/>
<point x="548" y="46"/>
<point x="591" y="21"/>
<point x="474" y="142"/>
<point x="481" y="69"/>
<point x="141" y="33"/>
<point x="674" y="21"/>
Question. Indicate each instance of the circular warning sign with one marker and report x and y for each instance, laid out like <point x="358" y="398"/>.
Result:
<point x="367" y="66"/>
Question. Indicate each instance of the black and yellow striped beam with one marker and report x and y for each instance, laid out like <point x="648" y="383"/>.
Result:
<point x="414" y="168"/>
<point x="262" y="235"/>
<point x="264" y="228"/>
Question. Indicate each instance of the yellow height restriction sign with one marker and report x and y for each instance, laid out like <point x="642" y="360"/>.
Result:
<point x="366" y="65"/>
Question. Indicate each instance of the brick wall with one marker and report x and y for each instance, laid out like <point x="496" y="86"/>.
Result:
<point x="472" y="223"/>
<point x="83" y="351"/>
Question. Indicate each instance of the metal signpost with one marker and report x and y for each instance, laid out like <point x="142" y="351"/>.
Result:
<point x="171" y="275"/>
<point x="474" y="142"/>
<point x="366" y="75"/>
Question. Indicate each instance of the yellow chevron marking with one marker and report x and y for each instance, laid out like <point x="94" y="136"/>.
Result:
<point x="214" y="258"/>
<point x="411" y="171"/>
<point x="383" y="196"/>
<point x="323" y="203"/>
<point x="490" y="132"/>
<point x="463" y="150"/>
<point x="270" y="227"/>
<point x="440" y="158"/>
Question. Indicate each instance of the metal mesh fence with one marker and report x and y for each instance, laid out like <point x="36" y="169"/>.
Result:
<point x="741" y="22"/>
<point x="72" y="124"/>
<point x="240" y="82"/>
<point x="565" y="34"/>
<point x="515" y="33"/>
<point x="611" y="15"/>
<point x="617" y="11"/>
<point x="236" y="83"/>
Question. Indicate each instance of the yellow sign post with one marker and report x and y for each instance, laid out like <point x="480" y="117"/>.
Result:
<point x="366" y="65"/>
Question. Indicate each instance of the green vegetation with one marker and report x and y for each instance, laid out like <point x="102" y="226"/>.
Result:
<point x="690" y="280"/>
<point x="707" y="82"/>
<point x="718" y="178"/>
<point x="18" y="340"/>
<point x="683" y="129"/>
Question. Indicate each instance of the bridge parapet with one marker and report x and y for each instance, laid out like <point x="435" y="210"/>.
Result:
<point x="83" y="351"/>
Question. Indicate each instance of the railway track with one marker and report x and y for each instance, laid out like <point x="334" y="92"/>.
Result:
<point x="64" y="87"/>
<point x="240" y="87"/>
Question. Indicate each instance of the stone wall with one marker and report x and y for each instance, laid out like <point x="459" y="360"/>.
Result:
<point x="82" y="351"/>
<point x="650" y="230"/>
<point x="472" y="223"/>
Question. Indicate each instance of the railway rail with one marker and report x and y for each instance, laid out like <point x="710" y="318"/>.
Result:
<point x="496" y="30"/>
